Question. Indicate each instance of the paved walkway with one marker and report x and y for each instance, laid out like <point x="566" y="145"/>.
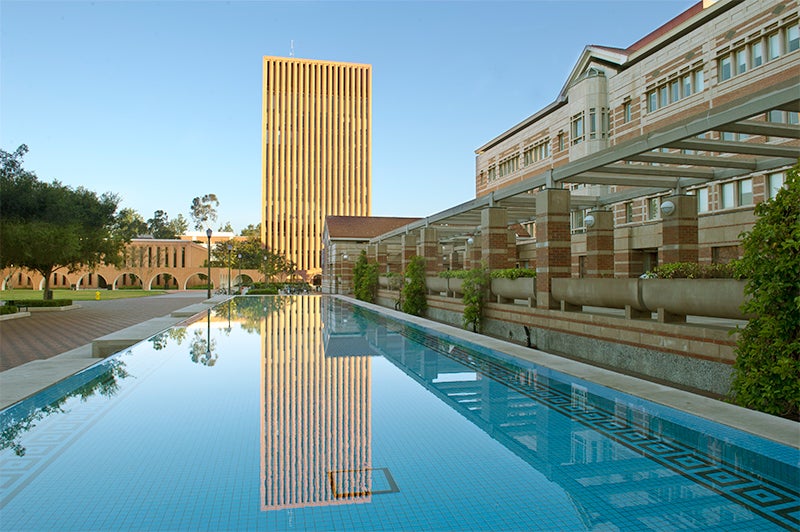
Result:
<point x="44" y="335"/>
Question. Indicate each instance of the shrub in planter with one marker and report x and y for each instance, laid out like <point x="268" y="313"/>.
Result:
<point x="365" y="279"/>
<point x="414" y="300"/>
<point x="8" y="309"/>
<point x="692" y="270"/>
<point x="513" y="273"/>
<point x="475" y="285"/>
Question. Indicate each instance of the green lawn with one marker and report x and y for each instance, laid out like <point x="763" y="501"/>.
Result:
<point x="78" y="295"/>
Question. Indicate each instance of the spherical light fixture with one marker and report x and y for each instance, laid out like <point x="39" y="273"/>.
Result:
<point x="667" y="208"/>
<point x="589" y="220"/>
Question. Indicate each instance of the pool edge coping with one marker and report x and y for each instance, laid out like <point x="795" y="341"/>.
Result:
<point x="773" y="428"/>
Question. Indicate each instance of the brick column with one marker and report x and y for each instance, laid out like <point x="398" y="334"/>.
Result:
<point x="553" y="242"/>
<point x="600" y="244"/>
<point x="409" y="250"/>
<point x="472" y="253"/>
<point x="679" y="230"/>
<point x="429" y="248"/>
<point x="494" y="244"/>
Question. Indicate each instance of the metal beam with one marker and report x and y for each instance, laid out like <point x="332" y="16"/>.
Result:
<point x="747" y="148"/>
<point x="658" y="171"/>
<point x="695" y="160"/>
<point x="763" y="129"/>
<point x="598" y="178"/>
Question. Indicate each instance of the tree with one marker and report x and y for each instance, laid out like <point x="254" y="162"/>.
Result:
<point x="203" y="210"/>
<point x="160" y="226"/>
<point x="414" y="300"/>
<point x="252" y="230"/>
<point x="474" y="285"/>
<point x="47" y="226"/>
<point x="365" y="279"/>
<point x="227" y="228"/>
<point x="129" y="224"/>
<point x="254" y="257"/>
<point x="768" y="350"/>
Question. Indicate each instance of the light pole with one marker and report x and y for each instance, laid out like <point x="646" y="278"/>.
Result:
<point x="341" y="278"/>
<point x="208" y="285"/>
<point x="230" y="247"/>
<point x="240" y="273"/>
<point x="264" y="265"/>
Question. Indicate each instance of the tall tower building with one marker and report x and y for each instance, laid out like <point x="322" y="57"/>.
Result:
<point x="316" y="152"/>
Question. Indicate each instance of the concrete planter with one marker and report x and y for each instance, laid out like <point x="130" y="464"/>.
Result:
<point x="609" y="293"/>
<point x="507" y="290"/>
<point x="455" y="287"/>
<point x="677" y="298"/>
<point x="672" y="299"/>
<point x="383" y="282"/>
<point x="436" y="285"/>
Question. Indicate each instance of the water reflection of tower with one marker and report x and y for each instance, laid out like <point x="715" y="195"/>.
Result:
<point x="316" y="422"/>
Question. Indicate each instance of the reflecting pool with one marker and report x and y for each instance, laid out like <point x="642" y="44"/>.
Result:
<point x="310" y="412"/>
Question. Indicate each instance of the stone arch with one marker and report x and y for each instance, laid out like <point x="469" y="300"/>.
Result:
<point x="197" y="278"/>
<point x="242" y="279"/>
<point x="127" y="279"/>
<point x="91" y="281"/>
<point x="19" y="280"/>
<point x="158" y="280"/>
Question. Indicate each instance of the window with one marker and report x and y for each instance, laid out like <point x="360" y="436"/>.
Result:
<point x="652" y="208"/>
<point x="728" y="195"/>
<point x="775" y="183"/>
<point x="561" y="142"/>
<point x="725" y="68"/>
<point x="741" y="61"/>
<point x="492" y="173"/>
<point x="592" y="123"/>
<point x="652" y="102"/>
<point x="507" y="166"/>
<point x="626" y="112"/>
<point x="674" y="91"/>
<point x="745" y="192"/>
<point x="702" y="200"/>
<point x="663" y="96"/>
<point x="577" y="128"/>
<point x="628" y="212"/>
<point x="792" y="38"/>
<point x="756" y="54"/>
<point x="680" y="87"/>
<point x="699" y="81"/>
<point x="687" y="85"/>
<point x="537" y="152"/>
<point x="773" y="46"/>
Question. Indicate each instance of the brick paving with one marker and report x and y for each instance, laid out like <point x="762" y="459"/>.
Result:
<point x="47" y="334"/>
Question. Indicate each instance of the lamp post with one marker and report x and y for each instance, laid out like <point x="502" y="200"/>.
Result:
<point x="240" y="272"/>
<point x="208" y="281"/>
<point x="230" y="247"/>
<point x="341" y="278"/>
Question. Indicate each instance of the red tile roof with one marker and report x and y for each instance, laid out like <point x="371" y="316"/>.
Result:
<point x="658" y="32"/>
<point x="363" y="226"/>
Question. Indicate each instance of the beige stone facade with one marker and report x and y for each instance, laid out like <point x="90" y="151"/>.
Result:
<point x="316" y="156"/>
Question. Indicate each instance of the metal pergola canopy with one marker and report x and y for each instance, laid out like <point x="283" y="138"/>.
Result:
<point x="674" y="158"/>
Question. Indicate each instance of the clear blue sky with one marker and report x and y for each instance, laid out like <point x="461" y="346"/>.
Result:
<point x="160" y="102"/>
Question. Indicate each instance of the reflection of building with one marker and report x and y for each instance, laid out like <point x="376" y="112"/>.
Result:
<point x="316" y="421"/>
<point x="316" y="152"/>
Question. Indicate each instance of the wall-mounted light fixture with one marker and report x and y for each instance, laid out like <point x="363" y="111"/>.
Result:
<point x="589" y="220"/>
<point x="667" y="208"/>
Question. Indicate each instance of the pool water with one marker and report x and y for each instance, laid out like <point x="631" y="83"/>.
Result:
<point x="308" y="412"/>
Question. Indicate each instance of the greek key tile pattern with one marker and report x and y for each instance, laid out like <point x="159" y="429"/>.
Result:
<point x="775" y="500"/>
